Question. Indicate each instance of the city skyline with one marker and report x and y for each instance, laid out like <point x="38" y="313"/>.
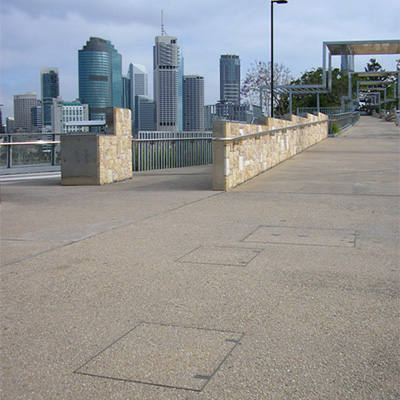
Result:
<point x="300" y="29"/>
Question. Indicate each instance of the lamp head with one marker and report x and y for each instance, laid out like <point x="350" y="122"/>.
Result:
<point x="279" y="1"/>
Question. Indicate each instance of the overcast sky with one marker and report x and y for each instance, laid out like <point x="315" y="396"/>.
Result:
<point x="49" y="33"/>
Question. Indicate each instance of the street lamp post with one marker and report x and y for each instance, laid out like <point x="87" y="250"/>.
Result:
<point x="272" y="51"/>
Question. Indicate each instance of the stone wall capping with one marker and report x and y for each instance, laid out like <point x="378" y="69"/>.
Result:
<point x="269" y="132"/>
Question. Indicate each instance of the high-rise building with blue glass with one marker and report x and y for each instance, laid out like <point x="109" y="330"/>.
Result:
<point x="145" y="111"/>
<point x="50" y="88"/>
<point x="100" y="77"/>
<point x="116" y="76"/>
<point x="229" y="73"/>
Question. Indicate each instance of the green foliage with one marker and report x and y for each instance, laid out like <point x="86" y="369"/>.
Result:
<point x="373" y="66"/>
<point x="315" y="77"/>
<point x="335" y="128"/>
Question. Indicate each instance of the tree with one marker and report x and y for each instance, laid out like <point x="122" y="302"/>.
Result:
<point x="259" y="74"/>
<point x="373" y="66"/>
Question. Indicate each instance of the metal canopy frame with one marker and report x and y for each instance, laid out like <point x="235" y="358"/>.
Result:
<point x="363" y="47"/>
<point x="376" y="74"/>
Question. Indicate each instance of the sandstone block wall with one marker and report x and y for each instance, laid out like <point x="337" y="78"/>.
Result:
<point x="97" y="159"/>
<point x="115" y="148"/>
<point x="240" y="159"/>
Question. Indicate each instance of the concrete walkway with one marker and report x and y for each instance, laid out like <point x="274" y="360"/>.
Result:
<point x="159" y="288"/>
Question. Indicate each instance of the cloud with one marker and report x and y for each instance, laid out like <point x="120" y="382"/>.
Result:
<point x="50" y="33"/>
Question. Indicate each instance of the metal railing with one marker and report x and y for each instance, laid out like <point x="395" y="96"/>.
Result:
<point x="29" y="149"/>
<point x="160" y="150"/>
<point x="302" y="111"/>
<point x="151" y="150"/>
<point x="340" y="122"/>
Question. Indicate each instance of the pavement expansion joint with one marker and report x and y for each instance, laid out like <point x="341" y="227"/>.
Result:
<point x="221" y="255"/>
<point x="301" y="236"/>
<point x="164" y="355"/>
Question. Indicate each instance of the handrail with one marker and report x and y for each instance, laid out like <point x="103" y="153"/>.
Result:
<point x="270" y="131"/>
<point x="38" y="142"/>
<point x="170" y="139"/>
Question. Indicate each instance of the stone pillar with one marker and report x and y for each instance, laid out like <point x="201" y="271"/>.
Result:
<point x="99" y="158"/>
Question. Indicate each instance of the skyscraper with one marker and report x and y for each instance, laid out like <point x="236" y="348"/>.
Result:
<point x="347" y="63"/>
<point x="138" y="86"/>
<point x="116" y="76"/>
<point x="145" y="109"/>
<point x="166" y="83"/>
<point x="37" y="117"/>
<point x="180" y="90"/>
<point x="193" y="103"/>
<point x="126" y="92"/>
<point x="229" y="73"/>
<point x="50" y="88"/>
<point x="100" y="77"/>
<point x="23" y="104"/>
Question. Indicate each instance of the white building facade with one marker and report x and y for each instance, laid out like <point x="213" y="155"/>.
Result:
<point x="68" y="111"/>
<point x="166" y="83"/>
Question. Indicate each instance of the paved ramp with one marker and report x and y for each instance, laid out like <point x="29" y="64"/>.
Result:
<point x="158" y="288"/>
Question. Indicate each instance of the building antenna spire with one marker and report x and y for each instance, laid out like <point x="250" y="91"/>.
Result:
<point x="163" y="33"/>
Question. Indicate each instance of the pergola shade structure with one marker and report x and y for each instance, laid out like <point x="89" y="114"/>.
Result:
<point x="359" y="48"/>
<point x="365" y="47"/>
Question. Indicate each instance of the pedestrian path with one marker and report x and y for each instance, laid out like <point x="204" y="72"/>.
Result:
<point x="160" y="288"/>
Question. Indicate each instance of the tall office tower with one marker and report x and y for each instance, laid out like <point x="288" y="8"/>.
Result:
<point x="37" y="118"/>
<point x="50" y="88"/>
<point x="347" y="63"/>
<point x="100" y="77"/>
<point x="166" y="86"/>
<point x="229" y="78"/>
<point x="193" y="103"/>
<point x="116" y="76"/>
<point x="126" y="92"/>
<point x="2" y="127"/>
<point x="10" y="125"/>
<point x="138" y="86"/>
<point x="145" y="110"/>
<point x="180" y="90"/>
<point x="23" y="104"/>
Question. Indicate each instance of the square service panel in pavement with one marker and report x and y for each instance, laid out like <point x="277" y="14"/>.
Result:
<point x="303" y="236"/>
<point x="220" y="255"/>
<point x="164" y="355"/>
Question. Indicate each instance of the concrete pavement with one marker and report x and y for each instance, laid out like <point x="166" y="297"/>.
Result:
<point x="159" y="288"/>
